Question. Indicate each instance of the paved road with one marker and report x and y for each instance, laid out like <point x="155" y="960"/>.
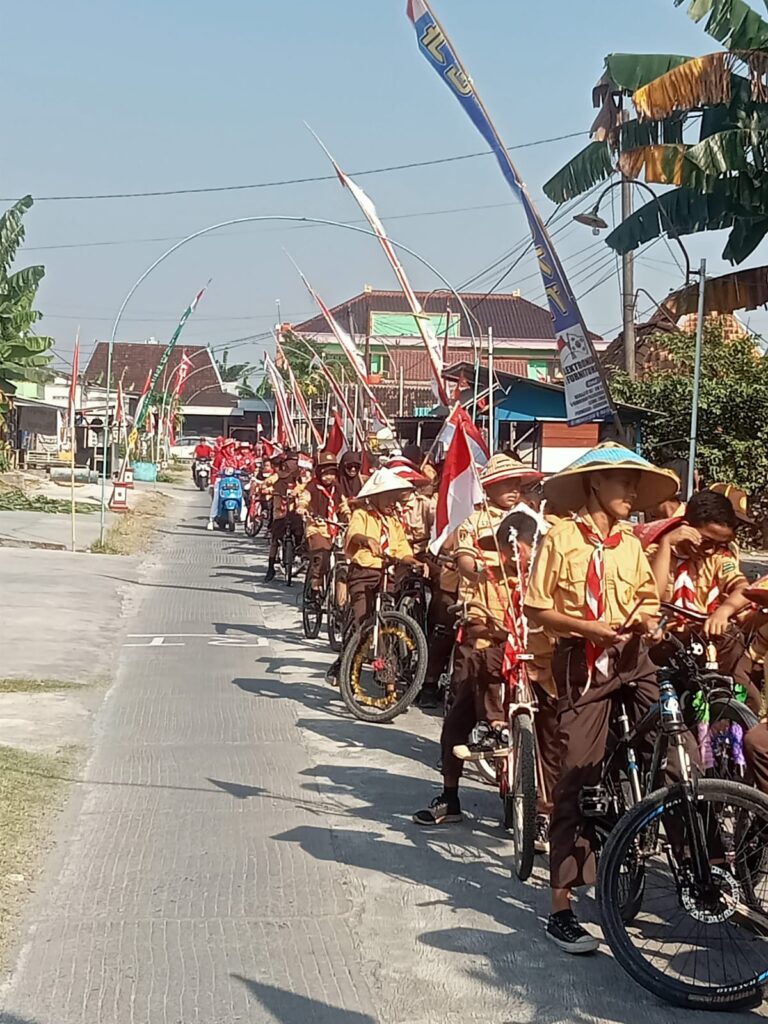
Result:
<point x="240" y="850"/>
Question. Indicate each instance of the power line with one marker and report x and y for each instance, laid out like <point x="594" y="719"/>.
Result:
<point x="294" y="181"/>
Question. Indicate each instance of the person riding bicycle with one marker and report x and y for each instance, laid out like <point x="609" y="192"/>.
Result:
<point x="319" y="504"/>
<point x="285" y="519"/>
<point x="374" y="534"/>
<point x="592" y="590"/>
<point x="489" y="589"/>
<point x="350" y="480"/>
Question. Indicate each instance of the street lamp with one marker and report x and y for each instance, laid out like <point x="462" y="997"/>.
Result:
<point x="214" y="227"/>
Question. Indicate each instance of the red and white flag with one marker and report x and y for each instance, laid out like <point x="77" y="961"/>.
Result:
<point x="286" y="433"/>
<point x="459" y="490"/>
<point x="271" y="449"/>
<point x="182" y="373"/>
<point x="336" y="442"/>
<point x="302" y="403"/>
<point x="259" y="427"/>
<point x="460" y="417"/>
<point x="120" y="408"/>
<point x="73" y="382"/>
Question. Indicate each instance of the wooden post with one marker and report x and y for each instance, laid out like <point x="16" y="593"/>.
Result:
<point x="72" y="445"/>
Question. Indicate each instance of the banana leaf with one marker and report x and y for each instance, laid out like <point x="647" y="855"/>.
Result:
<point x="741" y="289"/>
<point x="682" y="211"/>
<point x="626" y="72"/>
<point x="587" y="168"/>
<point x="744" y="238"/>
<point x="731" y="22"/>
<point x="697" y="83"/>
<point x="730" y="151"/>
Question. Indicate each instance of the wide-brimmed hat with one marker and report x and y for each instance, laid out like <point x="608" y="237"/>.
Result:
<point x="758" y="592"/>
<point x="566" y="488"/>
<point x="383" y="481"/>
<point x="737" y="498"/>
<point x="407" y="470"/>
<point x="504" y="467"/>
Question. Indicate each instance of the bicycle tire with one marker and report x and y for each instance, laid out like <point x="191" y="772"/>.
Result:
<point x="746" y="993"/>
<point x="334" y="616"/>
<point x="311" y="613"/>
<point x="289" y="551"/>
<point x="397" y="622"/>
<point x="520" y="800"/>
<point x="258" y="523"/>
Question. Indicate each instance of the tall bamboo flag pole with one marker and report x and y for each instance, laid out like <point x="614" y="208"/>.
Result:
<point x="72" y="436"/>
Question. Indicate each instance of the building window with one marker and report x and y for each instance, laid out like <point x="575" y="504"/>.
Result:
<point x="379" y="364"/>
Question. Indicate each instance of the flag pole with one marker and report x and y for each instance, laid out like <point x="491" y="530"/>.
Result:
<point x="491" y="389"/>
<point x="72" y="436"/>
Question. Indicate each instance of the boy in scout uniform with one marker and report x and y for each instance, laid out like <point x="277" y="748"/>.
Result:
<point x="593" y="592"/>
<point x="486" y="582"/>
<point x="319" y="503"/>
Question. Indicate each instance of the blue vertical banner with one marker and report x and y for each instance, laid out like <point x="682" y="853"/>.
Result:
<point x="587" y="397"/>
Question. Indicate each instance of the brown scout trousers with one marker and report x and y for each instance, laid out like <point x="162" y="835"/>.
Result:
<point x="362" y="585"/>
<point x="320" y="552"/>
<point x="477" y="687"/>
<point x="583" y="732"/>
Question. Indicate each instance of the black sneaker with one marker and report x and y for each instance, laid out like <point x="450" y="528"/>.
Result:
<point x="439" y="812"/>
<point x="428" y="698"/>
<point x="541" y="836"/>
<point x="271" y="573"/>
<point x="332" y="673"/>
<point x="565" y="931"/>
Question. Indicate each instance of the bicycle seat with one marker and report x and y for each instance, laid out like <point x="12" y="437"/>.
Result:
<point x="675" y="612"/>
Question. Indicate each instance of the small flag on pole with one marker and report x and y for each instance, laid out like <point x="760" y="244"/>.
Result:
<point x="336" y="442"/>
<point x="73" y="383"/>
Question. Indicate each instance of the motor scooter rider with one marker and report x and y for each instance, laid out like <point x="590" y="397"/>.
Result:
<point x="203" y="452"/>
<point x="224" y="459"/>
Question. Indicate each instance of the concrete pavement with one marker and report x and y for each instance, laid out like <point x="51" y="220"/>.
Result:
<point x="240" y="850"/>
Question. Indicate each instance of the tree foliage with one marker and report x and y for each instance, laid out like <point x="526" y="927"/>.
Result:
<point x="733" y="407"/>
<point x="697" y="123"/>
<point x="24" y="355"/>
<point x="237" y="372"/>
<point x="306" y="368"/>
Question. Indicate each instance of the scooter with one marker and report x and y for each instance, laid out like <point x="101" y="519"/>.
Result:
<point x="202" y="473"/>
<point x="230" y="502"/>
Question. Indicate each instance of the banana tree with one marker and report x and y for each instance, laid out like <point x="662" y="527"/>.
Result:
<point x="697" y="124"/>
<point x="24" y="355"/>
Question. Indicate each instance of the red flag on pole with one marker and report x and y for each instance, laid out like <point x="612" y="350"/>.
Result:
<point x="336" y="443"/>
<point x="459" y="490"/>
<point x="459" y="417"/>
<point x="182" y="373"/>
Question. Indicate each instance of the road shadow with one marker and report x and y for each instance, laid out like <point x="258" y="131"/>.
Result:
<point x="317" y="697"/>
<point x="292" y="1008"/>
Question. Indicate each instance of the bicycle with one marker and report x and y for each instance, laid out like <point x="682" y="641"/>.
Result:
<point x="323" y="601"/>
<point x="514" y="768"/>
<point x="707" y="835"/>
<point x="385" y="661"/>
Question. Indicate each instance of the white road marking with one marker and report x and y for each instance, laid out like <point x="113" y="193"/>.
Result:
<point x="214" y="640"/>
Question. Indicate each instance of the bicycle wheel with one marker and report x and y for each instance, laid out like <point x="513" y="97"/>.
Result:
<point x="289" y="551"/>
<point x="699" y="947"/>
<point x="377" y="686"/>
<point x="520" y="796"/>
<point x="312" y="609"/>
<point x="335" y="616"/>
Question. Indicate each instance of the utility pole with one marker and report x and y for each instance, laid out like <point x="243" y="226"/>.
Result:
<point x="696" y="381"/>
<point x="491" y="395"/>
<point x="628" y="280"/>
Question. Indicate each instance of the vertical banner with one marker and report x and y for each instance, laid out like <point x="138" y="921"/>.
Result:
<point x="587" y="397"/>
<point x="285" y="423"/>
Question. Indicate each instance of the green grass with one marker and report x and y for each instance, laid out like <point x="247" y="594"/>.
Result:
<point x="32" y="787"/>
<point x="36" y="685"/>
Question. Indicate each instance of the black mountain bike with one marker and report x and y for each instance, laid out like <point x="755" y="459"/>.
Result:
<point x="683" y="875"/>
<point x="323" y="602"/>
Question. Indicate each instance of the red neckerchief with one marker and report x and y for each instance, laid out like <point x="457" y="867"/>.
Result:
<point x="330" y="497"/>
<point x="595" y="595"/>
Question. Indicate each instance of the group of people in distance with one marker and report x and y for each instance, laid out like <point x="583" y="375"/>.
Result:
<point x="559" y="569"/>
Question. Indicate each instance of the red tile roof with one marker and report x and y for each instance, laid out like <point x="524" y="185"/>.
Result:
<point x="511" y="316"/>
<point x="132" y="362"/>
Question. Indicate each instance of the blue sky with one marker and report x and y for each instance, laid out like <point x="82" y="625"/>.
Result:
<point x="115" y="97"/>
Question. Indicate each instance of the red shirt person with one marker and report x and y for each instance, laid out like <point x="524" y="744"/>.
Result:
<point x="203" y="450"/>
